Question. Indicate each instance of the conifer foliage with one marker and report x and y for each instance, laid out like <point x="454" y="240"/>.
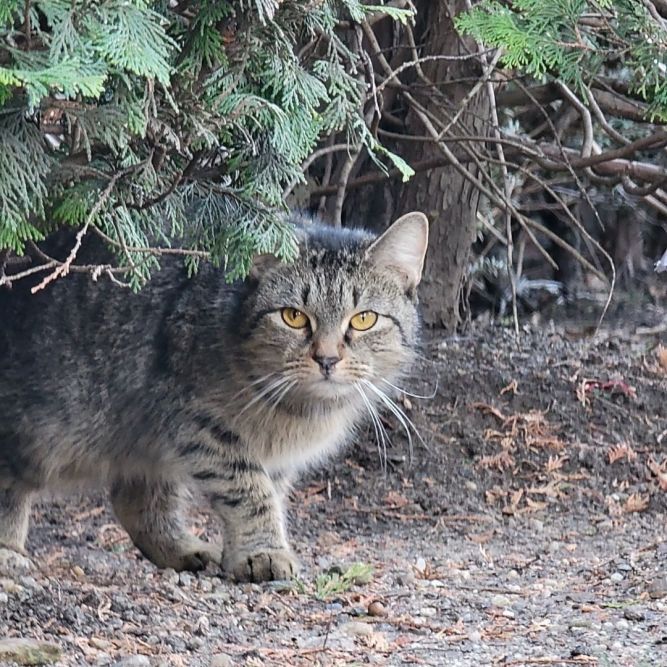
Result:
<point x="170" y="123"/>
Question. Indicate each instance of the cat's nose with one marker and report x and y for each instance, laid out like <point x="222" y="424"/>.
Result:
<point x="326" y="364"/>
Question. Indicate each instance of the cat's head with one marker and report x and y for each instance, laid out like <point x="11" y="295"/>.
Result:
<point x="340" y="319"/>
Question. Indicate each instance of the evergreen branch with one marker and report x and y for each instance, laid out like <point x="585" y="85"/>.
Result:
<point x="64" y="268"/>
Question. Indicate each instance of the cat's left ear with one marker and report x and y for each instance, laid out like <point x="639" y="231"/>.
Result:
<point x="402" y="248"/>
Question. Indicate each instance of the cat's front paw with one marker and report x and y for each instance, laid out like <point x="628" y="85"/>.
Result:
<point x="269" y="565"/>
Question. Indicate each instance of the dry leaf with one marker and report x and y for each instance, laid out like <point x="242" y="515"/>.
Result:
<point x="636" y="503"/>
<point x="620" y="451"/>
<point x="660" y="471"/>
<point x="501" y="461"/>
<point x="513" y="386"/>
<point x="661" y="353"/>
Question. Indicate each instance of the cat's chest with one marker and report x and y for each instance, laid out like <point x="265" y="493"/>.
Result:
<point x="288" y="442"/>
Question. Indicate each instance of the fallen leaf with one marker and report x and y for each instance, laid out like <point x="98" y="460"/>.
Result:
<point x="636" y="503"/>
<point x="661" y="353"/>
<point x="620" y="451"/>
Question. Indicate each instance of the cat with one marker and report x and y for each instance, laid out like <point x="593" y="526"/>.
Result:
<point x="192" y="382"/>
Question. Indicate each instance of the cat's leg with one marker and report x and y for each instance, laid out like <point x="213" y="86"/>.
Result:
<point x="14" y="518"/>
<point x="246" y="498"/>
<point x="151" y="512"/>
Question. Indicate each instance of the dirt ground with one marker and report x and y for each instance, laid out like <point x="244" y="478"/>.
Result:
<point x="529" y="528"/>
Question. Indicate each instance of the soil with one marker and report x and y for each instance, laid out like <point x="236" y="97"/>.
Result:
<point x="528" y="528"/>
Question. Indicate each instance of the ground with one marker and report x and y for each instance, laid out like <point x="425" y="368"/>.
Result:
<point x="529" y="528"/>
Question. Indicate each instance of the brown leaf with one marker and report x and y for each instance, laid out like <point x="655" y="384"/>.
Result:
<point x="621" y="451"/>
<point x="636" y="503"/>
<point x="660" y="471"/>
<point x="661" y="353"/>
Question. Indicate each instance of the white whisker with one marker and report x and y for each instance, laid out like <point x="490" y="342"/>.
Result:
<point x="404" y="420"/>
<point x="407" y="393"/>
<point x="267" y="390"/>
<point x="381" y="436"/>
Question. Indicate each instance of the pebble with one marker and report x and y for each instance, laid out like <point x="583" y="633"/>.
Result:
<point x="202" y="626"/>
<point x="170" y="576"/>
<point x="31" y="583"/>
<point x="101" y="644"/>
<point x="133" y="661"/>
<point x="186" y="579"/>
<point x="428" y="611"/>
<point x="616" y="577"/>
<point x="622" y="624"/>
<point x="501" y="601"/>
<point x="658" y="589"/>
<point x="634" y="614"/>
<point x="13" y="563"/>
<point x="475" y="636"/>
<point x="376" y="608"/>
<point x="221" y="660"/>
<point x="357" y="628"/>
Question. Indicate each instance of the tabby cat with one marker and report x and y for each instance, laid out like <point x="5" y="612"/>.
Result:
<point x="196" y="383"/>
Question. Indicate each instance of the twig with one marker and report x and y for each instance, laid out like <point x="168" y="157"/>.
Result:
<point x="63" y="269"/>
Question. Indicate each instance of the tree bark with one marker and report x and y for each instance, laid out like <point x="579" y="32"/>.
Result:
<point x="447" y="198"/>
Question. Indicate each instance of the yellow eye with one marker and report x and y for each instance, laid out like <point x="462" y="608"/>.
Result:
<point x="294" y="318"/>
<point x="364" y="321"/>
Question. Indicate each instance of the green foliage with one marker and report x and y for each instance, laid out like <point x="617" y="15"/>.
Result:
<point x="576" y="41"/>
<point x="203" y="111"/>
<point x="335" y="581"/>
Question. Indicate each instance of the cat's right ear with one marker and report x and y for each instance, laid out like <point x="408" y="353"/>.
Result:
<point x="261" y="265"/>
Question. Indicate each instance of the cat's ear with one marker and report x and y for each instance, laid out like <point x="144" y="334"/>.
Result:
<point x="402" y="248"/>
<point x="266" y="262"/>
<point x="262" y="264"/>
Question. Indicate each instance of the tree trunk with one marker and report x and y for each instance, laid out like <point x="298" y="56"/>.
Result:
<point x="449" y="200"/>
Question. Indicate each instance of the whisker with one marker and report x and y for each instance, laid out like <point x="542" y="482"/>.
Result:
<point x="407" y="393"/>
<point x="267" y="390"/>
<point x="280" y="395"/>
<point x="381" y="436"/>
<point x="404" y="420"/>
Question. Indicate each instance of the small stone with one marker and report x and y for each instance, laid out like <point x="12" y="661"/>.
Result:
<point x="475" y="636"/>
<point x="205" y="586"/>
<point x="222" y="660"/>
<point x="357" y="629"/>
<point x="471" y="486"/>
<point x="634" y="614"/>
<point x="13" y="563"/>
<point x="616" y="577"/>
<point x="376" y="608"/>
<point x="420" y="565"/>
<point x="31" y="583"/>
<point x="101" y="644"/>
<point x="537" y="525"/>
<point x="170" y="576"/>
<point x="202" y="626"/>
<point x="658" y="589"/>
<point x="622" y="624"/>
<point x="185" y="579"/>
<point x="501" y="601"/>
<point x="428" y="611"/>
<point x="133" y="661"/>
<point x="78" y="572"/>
<point x="28" y="651"/>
